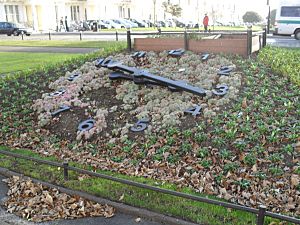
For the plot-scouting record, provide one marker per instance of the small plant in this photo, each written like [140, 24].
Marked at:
[218, 142]
[202, 153]
[186, 148]
[225, 154]
[276, 171]
[187, 133]
[276, 157]
[260, 175]
[200, 137]
[117, 159]
[250, 159]
[288, 149]
[206, 163]
[244, 184]
[230, 167]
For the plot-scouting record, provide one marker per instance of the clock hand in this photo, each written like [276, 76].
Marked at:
[137, 73]
[172, 83]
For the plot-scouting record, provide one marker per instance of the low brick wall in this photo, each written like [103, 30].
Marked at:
[229, 44]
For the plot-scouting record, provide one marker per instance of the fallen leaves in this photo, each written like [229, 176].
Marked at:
[38, 203]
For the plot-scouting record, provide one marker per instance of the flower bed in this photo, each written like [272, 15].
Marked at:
[93, 95]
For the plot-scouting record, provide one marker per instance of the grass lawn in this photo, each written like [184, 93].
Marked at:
[17, 61]
[60, 43]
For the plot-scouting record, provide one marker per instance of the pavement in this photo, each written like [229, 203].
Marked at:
[283, 41]
[118, 219]
[47, 49]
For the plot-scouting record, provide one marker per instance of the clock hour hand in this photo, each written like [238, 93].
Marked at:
[177, 84]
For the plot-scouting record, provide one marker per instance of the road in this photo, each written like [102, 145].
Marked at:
[283, 41]
[279, 41]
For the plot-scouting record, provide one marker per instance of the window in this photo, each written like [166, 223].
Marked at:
[12, 13]
[290, 11]
[75, 16]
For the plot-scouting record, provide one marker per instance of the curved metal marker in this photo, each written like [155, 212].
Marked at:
[57, 93]
[204, 57]
[176, 52]
[86, 125]
[103, 62]
[220, 90]
[73, 77]
[139, 54]
[225, 70]
[141, 125]
[195, 110]
[61, 109]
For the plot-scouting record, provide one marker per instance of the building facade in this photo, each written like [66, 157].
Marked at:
[45, 15]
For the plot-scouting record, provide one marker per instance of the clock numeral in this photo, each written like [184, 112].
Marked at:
[195, 110]
[73, 77]
[204, 57]
[57, 93]
[220, 90]
[86, 125]
[176, 52]
[61, 109]
[225, 70]
[140, 125]
[140, 54]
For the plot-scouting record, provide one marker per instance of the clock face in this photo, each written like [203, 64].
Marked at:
[133, 95]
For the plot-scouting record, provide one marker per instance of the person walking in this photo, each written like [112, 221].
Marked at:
[66, 24]
[61, 25]
[205, 22]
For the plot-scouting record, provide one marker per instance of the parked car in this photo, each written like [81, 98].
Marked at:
[100, 23]
[170, 23]
[14, 29]
[150, 24]
[122, 23]
[113, 24]
[140, 23]
[132, 24]
[161, 23]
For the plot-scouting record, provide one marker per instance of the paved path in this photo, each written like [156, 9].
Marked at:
[283, 41]
[118, 219]
[46, 49]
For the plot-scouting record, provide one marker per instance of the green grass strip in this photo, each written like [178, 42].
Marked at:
[58, 43]
[169, 205]
[18, 61]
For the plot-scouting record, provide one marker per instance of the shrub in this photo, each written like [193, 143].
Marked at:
[284, 61]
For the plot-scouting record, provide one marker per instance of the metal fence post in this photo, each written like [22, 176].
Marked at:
[49, 36]
[261, 215]
[117, 37]
[80, 35]
[249, 41]
[186, 41]
[128, 40]
[66, 172]
[264, 38]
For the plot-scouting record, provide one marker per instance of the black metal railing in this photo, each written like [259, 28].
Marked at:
[260, 212]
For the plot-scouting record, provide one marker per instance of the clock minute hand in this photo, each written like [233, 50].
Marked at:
[168, 82]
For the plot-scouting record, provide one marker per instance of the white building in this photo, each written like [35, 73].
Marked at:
[45, 15]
